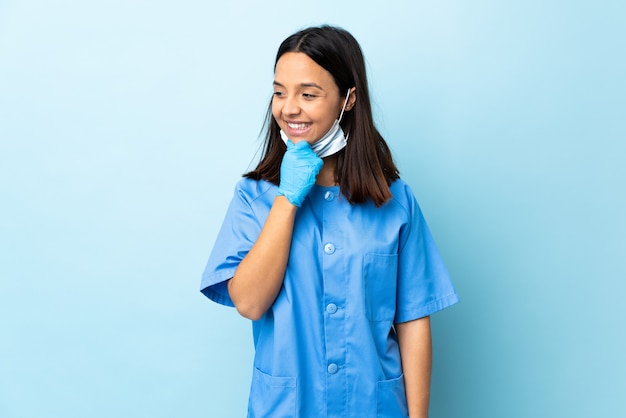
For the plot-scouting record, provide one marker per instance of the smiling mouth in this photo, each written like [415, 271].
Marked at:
[298, 126]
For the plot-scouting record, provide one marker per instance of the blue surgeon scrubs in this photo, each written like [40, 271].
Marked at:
[327, 346]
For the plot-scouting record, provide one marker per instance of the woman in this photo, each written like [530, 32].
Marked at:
[324, 247]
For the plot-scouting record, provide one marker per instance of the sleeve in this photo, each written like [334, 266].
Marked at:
[424, 284]
[238, 233]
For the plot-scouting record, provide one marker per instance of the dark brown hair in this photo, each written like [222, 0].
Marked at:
[365, 167]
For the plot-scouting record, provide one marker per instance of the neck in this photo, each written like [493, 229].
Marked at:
[326, 176]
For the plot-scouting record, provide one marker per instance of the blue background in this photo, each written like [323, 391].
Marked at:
[125, 124]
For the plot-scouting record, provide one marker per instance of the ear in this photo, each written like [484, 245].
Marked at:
[351, 99]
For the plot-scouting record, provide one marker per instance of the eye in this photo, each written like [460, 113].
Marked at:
[309, 96]
[278, 94]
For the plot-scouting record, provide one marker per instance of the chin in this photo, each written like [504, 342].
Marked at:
[296, 140]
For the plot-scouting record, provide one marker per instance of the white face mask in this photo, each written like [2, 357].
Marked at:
[334, 140]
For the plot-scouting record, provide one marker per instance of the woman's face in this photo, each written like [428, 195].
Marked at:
[306, 99]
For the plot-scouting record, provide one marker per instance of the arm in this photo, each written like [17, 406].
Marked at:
[267, 259]
[259, 276]
[416, 352]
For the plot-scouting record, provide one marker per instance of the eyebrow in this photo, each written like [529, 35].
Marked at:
[314, 85]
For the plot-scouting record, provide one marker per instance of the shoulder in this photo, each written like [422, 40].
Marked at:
[251, 190]
[402, 195]
[399, 187]
[251, 200]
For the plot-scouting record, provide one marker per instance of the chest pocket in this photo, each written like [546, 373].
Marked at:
[380, 272]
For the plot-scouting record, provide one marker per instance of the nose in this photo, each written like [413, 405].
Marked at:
[291, 106]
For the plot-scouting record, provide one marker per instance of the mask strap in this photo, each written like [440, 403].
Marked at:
[345, 103]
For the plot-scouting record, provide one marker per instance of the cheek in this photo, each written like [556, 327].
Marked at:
[276, 111]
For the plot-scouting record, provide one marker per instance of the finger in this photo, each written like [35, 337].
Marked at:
[302, 145]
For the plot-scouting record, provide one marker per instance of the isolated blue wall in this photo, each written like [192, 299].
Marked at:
[125, 124]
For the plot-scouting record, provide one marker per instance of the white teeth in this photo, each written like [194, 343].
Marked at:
[298, 126]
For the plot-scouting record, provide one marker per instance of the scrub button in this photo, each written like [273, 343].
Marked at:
[331, 308]
[329, 248]
[332, 368]
[329, 195]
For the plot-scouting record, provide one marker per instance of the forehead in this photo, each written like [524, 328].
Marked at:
[297, 68]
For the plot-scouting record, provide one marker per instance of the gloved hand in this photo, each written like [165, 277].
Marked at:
[298, 171]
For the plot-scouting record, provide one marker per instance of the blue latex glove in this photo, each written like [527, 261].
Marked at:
[298, 171]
